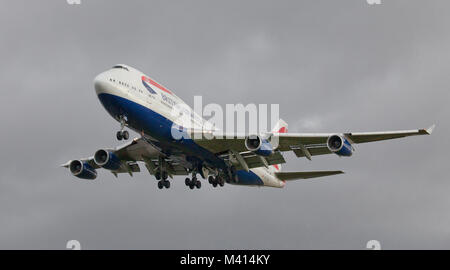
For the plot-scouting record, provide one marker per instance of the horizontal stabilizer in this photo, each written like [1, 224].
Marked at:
[286, 176]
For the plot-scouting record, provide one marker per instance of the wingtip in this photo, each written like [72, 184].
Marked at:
[430, 129]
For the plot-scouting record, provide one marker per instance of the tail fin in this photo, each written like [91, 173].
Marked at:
[280, 127]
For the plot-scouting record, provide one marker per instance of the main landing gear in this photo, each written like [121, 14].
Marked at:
[161, 177]
[193, 183]
[122, 134]
[163, 184]
[215, 181]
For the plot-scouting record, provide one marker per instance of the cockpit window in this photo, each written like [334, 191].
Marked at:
[119, 66]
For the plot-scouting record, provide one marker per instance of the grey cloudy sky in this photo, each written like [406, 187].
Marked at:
[331, 65]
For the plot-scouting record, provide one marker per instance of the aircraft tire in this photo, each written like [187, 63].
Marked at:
[160, 184]
[166, 184]
[125, 135]
[119, 135]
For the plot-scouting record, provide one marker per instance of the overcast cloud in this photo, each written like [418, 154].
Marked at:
[333, 66]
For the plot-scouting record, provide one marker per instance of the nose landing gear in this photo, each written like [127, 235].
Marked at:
[122, 134]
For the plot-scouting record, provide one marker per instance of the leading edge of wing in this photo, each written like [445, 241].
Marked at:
[423, 131]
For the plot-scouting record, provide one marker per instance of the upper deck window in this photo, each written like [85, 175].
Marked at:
[122, 67]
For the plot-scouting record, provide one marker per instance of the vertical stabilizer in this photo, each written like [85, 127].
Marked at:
[280, 127]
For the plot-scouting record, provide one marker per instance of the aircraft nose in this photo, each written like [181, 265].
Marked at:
[100, 84]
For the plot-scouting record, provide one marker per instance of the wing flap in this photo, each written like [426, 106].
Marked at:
[254, 161]
[314, 150]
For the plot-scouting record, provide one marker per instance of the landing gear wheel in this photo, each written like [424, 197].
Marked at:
[198, 184]
[221, 181]
[122, 134]
[187, 181]
[119, 135]
[160, 184]
[125, 135]
[214, 184]
[191, 186]
[158, 176]
[210, 179]
[166, 184]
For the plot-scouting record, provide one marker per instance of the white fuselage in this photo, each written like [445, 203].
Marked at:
[150, 108]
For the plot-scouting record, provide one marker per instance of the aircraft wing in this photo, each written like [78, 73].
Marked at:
[136, 150]
[315, 144]
[302, 144]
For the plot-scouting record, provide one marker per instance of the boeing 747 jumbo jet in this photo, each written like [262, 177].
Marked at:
[139, 103]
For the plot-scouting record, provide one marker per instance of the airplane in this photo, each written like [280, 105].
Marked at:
[141, 104]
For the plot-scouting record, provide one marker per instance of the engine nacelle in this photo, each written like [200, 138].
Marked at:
[339, 145]
[258, 145]
[82, 170]
[107, 160]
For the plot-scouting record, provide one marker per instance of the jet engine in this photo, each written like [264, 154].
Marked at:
[339, 145]
[107, 160]
[82, 170]
[258, 145]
